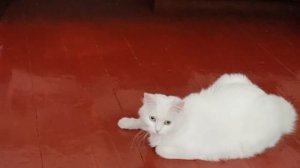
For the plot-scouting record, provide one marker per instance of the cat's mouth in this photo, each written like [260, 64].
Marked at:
[156, 133]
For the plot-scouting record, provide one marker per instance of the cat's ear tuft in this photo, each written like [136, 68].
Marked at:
[148, 98]
[178, 106]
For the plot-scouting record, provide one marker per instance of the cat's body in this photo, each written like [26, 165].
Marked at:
[233, 118]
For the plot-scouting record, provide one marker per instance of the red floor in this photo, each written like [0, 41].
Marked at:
[66, 78]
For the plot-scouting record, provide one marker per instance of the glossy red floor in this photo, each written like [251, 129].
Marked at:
[67, 76]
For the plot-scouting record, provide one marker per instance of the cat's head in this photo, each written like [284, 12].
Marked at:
[161, 114]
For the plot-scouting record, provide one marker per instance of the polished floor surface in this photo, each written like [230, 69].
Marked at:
[68, 72]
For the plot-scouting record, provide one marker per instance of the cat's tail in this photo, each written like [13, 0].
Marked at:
[232, 79]
[287, 114]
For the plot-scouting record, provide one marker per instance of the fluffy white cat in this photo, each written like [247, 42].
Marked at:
[231, 119]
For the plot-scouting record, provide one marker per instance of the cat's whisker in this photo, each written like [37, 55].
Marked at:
[136, 137]
[142, 139]
[138, 141]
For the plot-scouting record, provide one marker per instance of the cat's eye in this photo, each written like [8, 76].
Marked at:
[167, 122]
[152, 118]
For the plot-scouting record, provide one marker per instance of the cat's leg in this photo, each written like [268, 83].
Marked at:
[130, 123]
[170, 152]
[153, 140]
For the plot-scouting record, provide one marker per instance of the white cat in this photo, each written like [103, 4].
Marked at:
[231, 119]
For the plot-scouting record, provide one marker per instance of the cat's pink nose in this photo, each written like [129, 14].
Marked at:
[158, 128]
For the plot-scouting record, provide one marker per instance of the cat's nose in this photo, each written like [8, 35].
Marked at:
[158, 128]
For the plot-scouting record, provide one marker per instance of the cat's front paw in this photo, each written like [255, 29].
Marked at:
[153, 141]
[125, 123]
[165, 152]
[152, 145]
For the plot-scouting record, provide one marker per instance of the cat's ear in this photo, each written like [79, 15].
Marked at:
[178, 105]
[148, 98]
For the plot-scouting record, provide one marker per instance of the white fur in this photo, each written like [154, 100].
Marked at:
[233, 118]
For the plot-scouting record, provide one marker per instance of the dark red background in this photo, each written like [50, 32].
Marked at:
[70, 69]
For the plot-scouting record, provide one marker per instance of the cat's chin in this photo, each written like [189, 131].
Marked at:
[157, 133]
[152, 132]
